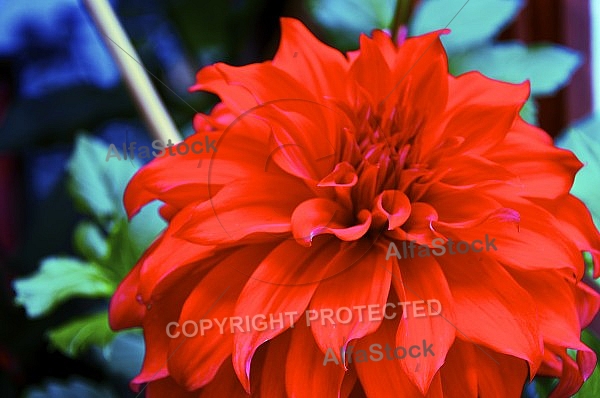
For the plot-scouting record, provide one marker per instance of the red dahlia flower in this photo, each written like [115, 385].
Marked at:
[324, 159]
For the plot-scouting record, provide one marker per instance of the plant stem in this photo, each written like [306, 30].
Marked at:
[144, 95]
[401, 16]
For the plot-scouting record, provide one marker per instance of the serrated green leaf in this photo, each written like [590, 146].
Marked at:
[57, 280]
[90, 241]
[352, 17]
[76, 387]
[96, 184]
[582, 140]
[472, 23]
[548, 67]
[76, 336]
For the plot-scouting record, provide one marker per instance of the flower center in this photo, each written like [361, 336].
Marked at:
[379, 150]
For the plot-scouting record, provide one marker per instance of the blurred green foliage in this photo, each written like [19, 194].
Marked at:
[108, 243]
[582, 139]
[471, 45]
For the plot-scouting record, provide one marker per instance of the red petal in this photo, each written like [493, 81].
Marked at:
[170, 258]
[159, 313]
[125, 310]
[470, 371]
[260, 204]
[392, 206]
[556, 309]
[310, 61]
[275, 289]
[423, 280]
[418, 226]
[242, 88]
[364, 263]
[304, 136]
[531, 244]
[272, 375]
[384, 378]
[570, 380]
[195, 360]
[305, 374]
[544, 171]
[588, 303]
[376, 85]
[420, 77]
[167, 388]
[472, 171]
[171, 178]
[475, 205]
[574, 218]
[500, 315]
[225, 384]
[343, 175]
[324, 216]
[475, 88]
[343, 178]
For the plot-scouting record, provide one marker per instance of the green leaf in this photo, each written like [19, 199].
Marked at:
[582, 140]
[548, 67]
[591, 340]
[589, 264]
[123, 356]
[352, 17]
[76, 387]
[96, 184]
[78, 335]
[123, 252]
[545, 385]
[472, 23]
[57, 280]
[128, 240]
[145, 226]
[591, 387]
[529, 112]
[90, 241]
